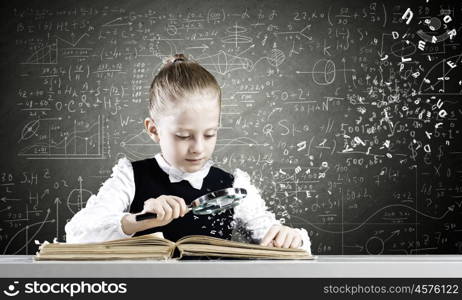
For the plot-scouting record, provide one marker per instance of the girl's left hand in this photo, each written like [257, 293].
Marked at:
[282, 237]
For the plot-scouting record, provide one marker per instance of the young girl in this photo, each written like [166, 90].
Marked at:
[184, 113]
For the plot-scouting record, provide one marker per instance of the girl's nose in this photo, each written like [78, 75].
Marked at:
[198, 145]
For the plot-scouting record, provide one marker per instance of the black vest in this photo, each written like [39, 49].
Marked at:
[151, 182]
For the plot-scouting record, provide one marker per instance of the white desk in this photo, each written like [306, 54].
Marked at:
[23, 266]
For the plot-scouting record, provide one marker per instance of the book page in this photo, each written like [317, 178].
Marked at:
[198, 245]
[149, 246]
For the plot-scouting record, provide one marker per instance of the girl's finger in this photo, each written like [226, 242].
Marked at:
[159, 210]
[183, 206]
[269, 236]
[296, 242]
[175, 207]
[167, 210]
[280, 238]
[289, 239]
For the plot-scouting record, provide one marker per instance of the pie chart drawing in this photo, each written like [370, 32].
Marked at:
[276, 57]
[324, 72]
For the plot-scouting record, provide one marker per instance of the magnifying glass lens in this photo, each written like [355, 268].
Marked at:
[216, 205]
[210, 203]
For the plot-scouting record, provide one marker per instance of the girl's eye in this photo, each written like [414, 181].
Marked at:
[187, 137]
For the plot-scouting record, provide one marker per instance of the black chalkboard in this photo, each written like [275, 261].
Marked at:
[346, 113]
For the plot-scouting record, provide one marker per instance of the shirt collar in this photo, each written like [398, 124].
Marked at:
[176, 175]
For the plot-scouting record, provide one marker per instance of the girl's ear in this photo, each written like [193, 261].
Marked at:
[151, 129]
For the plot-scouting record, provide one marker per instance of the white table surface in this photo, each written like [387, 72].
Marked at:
[326, 266]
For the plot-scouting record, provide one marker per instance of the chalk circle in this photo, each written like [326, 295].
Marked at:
[75, 200]
[222, 62]
[30, 129]
[171, 29]
[375, 245]
[276, 58]
[236, 29]
[246, 64]
[324, 72]
[433, 23]
[403, 49]
[236, 39]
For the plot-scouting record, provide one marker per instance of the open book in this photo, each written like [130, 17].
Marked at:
[151, 246]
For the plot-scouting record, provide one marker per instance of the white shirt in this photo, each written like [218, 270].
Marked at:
[100, 220]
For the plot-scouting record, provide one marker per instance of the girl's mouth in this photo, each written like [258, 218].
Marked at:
[194, 160]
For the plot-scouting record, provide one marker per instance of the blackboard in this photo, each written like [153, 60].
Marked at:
[346, 113]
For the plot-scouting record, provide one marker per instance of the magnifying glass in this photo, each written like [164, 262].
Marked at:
[209, 203]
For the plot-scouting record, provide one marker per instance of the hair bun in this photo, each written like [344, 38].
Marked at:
[175, 58]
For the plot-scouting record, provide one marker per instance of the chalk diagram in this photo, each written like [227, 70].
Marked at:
[27, 234]
[300, 32]
[276, 58]
[74, 200]
[439, 77]
[403, 48]
[48, 54]
[224, 63]
[119, 21]
[323, 72]
[139, 146]
[236, 36]
[240, 141]
[162, 49]
[375, 244]
[61, 144]
[236, 152]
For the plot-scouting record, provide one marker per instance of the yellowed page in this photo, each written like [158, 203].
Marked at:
[146, 246]
[199, 245]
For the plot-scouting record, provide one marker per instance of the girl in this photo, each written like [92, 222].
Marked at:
[184, 113]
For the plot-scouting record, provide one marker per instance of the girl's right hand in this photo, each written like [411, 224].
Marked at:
[166, 207]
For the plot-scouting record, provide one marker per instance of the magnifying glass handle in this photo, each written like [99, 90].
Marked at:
[150, 215]
[145, 216]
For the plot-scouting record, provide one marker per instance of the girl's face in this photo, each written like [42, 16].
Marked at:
[187, 134]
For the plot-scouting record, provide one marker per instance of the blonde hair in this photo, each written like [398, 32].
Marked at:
[178, 77]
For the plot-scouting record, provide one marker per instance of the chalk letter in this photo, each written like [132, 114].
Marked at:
[408, 14]
[421, 45]
[447, 19]
[451, 64]
[405, 59]
[452, 34]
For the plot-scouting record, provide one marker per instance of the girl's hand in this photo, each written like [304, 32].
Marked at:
[167, 209]
[282, 237]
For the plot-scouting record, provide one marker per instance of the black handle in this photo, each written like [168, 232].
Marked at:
[145, 216]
